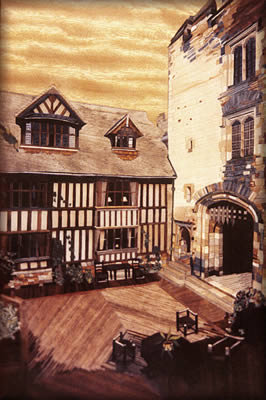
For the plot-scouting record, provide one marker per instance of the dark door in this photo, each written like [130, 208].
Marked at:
[238, 246]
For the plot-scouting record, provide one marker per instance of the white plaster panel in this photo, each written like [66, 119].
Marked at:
[73, 218]
[77, 194]
[83, 245]
[84, 195]
[34, 220]
[64, 219]
[89, 217]
[70, 195]
[90, 244]
[3, 221]
[14, 221]
[91, 195]
[54, 219]
[44, 217]
[63, 195]
[24, 220]
[76, 245]
[81, 218]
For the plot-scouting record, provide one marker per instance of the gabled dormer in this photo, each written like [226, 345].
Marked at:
[123, 137]
[50, 122]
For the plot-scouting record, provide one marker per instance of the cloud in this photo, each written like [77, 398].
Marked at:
[103, 52]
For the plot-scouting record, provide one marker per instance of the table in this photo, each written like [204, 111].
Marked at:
[113, 268]
[165, 362]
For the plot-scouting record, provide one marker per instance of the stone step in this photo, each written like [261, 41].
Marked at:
[174, 269]
[172, 276]
[211, 294]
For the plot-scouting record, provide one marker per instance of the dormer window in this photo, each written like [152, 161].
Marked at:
[126, 138]
[50, 122]
[123, 137]
[48, 134]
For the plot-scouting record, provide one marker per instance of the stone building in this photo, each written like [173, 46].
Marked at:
[95, 178]
[216, 135]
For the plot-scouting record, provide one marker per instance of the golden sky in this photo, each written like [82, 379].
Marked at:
[111, 53]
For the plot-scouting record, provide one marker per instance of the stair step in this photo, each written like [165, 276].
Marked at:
[212, 295]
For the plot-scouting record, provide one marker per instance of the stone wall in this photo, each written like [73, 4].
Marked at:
[203, 103]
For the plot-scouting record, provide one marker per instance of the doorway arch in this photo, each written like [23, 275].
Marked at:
[205, 237]
[234, 242]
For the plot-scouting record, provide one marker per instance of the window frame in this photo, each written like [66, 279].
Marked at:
[236, 139]
[25, 194]
[46, 132]
[116, 191]
[249, 136]
[118, 239]
[250, 51]
[241, 117]
[30, 242]
[238, 64]
[242, 40]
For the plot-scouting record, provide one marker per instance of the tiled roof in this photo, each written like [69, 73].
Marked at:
[95, 156]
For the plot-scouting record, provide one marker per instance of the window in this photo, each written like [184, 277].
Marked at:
[188, 194]
[250, 58]
[236, 139]
[117, 239]
[243, 137]
[23, 194]
[189, 145]
[243, 49]
[237, 65]
[29, 245]
[125, 138]
[118, 194]
[249, 137]
[49, 134]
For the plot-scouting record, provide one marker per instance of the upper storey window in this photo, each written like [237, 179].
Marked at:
[50, 122]
[243, 56]
[24, 194]
[237, 65]
[250, 58]
[123, 137]
[249, 137]
[118, 194]
[49, 134]
[236, 139]
[243, 137]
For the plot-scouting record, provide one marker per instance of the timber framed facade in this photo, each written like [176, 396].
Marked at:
[89, 198]
[216, 100]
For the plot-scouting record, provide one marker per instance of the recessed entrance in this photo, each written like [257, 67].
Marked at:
[236, 227]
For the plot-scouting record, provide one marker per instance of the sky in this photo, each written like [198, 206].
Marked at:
[112, 53]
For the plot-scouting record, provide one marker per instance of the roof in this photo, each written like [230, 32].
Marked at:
[124, 122]
[95, 156]
[208, 8]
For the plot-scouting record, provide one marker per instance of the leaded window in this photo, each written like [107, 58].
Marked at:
[24, 194]
[237, 65]
[29, 245]
[117, 239]
[236, 139]
[250, 58]
[249, 137]
[118, 194]
[49, 134]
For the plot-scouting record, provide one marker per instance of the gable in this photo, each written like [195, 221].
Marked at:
[50, 105]
[125, 121]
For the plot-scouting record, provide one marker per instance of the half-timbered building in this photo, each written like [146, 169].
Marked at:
[96, 178]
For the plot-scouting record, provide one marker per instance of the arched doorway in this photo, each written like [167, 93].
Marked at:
[185, 240]
[235, 240]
